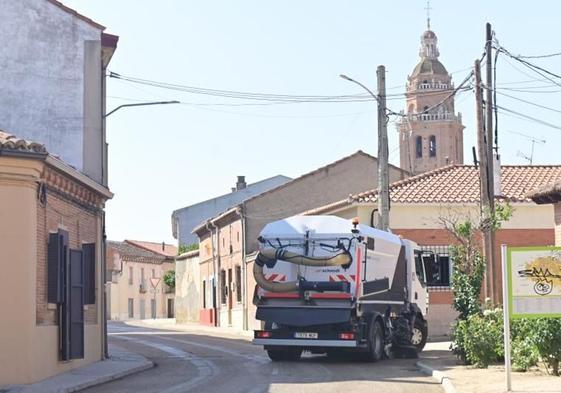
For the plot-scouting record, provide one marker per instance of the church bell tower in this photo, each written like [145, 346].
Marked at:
[430, 133]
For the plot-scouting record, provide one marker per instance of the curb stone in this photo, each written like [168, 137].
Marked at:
[110, 378]
[44, 386]
[439, 376]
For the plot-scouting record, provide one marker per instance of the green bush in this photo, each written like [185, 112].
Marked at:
[183, 248]
[547, 339]
[523, 350]
[169, 278]
[524, 354]
[479, 338]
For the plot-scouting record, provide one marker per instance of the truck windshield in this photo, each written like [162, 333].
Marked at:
[420, 269]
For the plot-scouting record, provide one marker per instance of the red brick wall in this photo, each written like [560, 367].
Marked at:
[61, 212]
[510, 237]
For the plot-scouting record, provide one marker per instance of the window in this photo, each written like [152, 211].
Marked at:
[223, 242]
[238, 236]
[153, 273]
[223, 287]
[432, 146]
[131, 308]
[130, 275]
[239, 284]
[142, 275]
[438, 265]
[419, 270]
[419, 146]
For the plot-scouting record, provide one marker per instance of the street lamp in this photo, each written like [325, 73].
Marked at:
[141, 104]
[345, 77]
[383, 167]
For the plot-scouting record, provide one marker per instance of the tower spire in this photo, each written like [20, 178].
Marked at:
[428, 9]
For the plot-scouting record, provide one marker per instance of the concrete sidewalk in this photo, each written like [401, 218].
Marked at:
[438, 360]
[192, 328]
[120, 364]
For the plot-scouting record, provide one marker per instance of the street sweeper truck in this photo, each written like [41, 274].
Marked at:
[331, 285]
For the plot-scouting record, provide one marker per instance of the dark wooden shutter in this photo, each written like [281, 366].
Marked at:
[88, 251]
[76, 305]
[57, 254]
[64, 307]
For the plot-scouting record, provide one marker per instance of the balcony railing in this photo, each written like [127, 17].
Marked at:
[446, 116]
[143, 288]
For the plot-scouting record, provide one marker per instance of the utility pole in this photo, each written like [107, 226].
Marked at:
[483, 172]
[490, 255]
[383, 214]
[383, 175]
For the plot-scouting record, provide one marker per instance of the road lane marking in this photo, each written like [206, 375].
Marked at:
[252, 358]
[205, 367]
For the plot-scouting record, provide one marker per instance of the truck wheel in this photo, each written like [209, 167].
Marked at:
[375, 343]
[279, 355]
[420, 333]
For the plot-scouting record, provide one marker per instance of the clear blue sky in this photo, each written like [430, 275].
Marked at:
[166, 157]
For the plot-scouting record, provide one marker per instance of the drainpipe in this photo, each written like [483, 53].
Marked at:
[105, 348]
[240, 212]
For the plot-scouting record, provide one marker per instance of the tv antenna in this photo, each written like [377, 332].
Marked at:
[529, 158]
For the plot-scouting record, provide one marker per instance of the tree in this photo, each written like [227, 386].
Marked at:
[183, 248]
[469, 263]
[169, 278]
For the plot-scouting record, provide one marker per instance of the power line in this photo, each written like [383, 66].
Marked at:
[540, 56]
[537, 69]
[529, 102]
[526, 117]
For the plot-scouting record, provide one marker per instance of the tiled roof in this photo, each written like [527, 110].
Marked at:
[167, 250]
[549, 193]
[460, 184]
[455, 184]
[130, 252]
[327, 167]
[12, 143]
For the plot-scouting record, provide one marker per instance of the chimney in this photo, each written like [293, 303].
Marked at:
[163, 246]
[240, 185]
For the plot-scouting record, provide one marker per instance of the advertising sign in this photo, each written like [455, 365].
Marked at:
[534, 282]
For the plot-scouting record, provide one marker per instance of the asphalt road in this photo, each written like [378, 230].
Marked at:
[197, 363]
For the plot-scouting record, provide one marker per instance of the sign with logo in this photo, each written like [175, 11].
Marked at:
[534, 281]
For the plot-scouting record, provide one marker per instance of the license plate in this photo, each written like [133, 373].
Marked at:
[305, 335]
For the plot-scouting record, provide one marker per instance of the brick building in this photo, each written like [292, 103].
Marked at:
[52, 216]
[418, 203]
[137, 289]
[228, 242]
[51, 243]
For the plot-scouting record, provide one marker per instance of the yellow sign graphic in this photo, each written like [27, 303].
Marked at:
[545, 272]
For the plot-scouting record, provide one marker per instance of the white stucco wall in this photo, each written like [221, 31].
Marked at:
[43, 77]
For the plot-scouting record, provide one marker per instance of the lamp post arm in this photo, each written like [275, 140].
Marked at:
[140, 104]
[361, 85]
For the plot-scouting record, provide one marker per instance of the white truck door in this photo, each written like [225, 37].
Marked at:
[419, 290]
